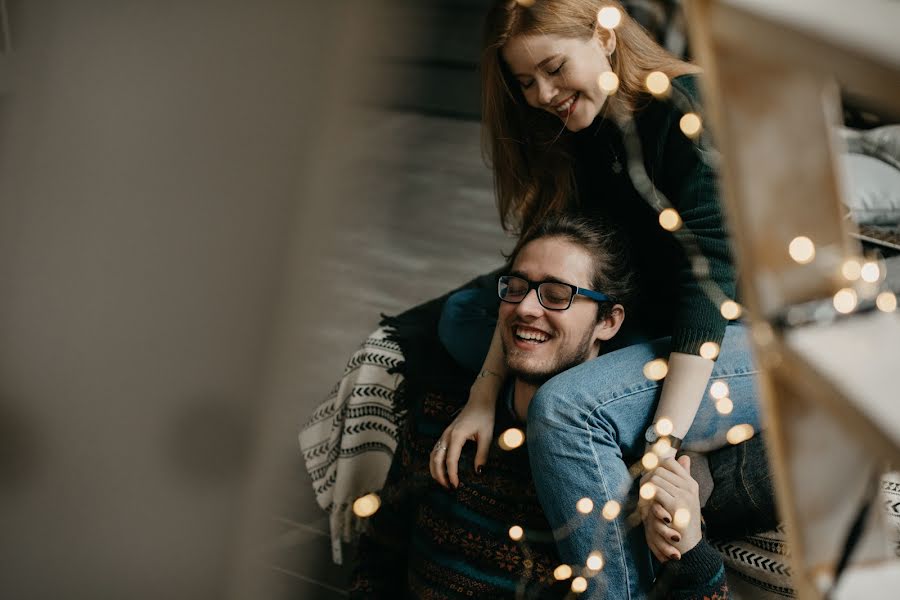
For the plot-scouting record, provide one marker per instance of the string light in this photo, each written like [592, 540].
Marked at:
[656, 369]
[648, 491]
[658, 83]
[739, 433]
[585, 506]
[609, 17]
[730, 309]
[691, 125]
[579, 584]
[611, 510]
[845, 300]
[719, 389]
[662, 447]
[670, 219]
[594, 561]
[802, 250]
[724, 406]
[366, 506]
[516, 533]
[681, 518]
[709, 350]
[609, 82]
[562, 572]
[870, 272]
[650, 461]
[851, 269]
[511, 439]
[886, 302]
[665, 426]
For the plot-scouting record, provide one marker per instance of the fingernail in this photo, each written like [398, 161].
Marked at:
[674, 556]
[667, 520]
[479, 469]
[675, 539]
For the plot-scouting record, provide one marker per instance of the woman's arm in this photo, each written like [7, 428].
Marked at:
[683, 391]
[475, 422]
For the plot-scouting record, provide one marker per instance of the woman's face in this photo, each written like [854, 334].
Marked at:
[560, 74]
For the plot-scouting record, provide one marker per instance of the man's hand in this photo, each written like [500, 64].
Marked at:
[672, 517]
[476, 423]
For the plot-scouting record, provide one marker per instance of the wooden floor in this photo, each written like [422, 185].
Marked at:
[424, 223]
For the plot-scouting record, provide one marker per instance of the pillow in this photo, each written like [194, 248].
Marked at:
[872, 190]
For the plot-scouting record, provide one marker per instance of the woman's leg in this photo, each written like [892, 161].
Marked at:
[467, 325]
[585, 424]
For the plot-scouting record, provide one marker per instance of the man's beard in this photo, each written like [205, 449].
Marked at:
[562, 362]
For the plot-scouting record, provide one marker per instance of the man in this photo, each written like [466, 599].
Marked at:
[488, 538]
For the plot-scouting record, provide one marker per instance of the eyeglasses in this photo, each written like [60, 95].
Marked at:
[553, 295]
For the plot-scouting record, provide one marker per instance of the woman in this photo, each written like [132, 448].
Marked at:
[559, 141]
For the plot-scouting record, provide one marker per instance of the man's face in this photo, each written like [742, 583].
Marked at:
[539, 343]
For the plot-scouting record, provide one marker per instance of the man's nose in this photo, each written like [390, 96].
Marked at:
[530, 306]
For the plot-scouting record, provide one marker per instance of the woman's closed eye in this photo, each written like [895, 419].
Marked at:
[558, 69]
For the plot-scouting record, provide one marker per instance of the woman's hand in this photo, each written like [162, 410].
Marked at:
[475, 422]
[672, 517]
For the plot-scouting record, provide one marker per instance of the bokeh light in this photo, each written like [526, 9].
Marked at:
[366, 506]
[802, 249]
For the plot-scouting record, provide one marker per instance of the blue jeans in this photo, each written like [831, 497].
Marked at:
[585, 425]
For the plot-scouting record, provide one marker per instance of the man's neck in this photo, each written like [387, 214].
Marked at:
[522, 395]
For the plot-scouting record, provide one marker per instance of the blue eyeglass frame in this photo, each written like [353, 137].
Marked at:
[535, 285]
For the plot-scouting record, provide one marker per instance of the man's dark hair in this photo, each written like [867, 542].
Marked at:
[609, 253]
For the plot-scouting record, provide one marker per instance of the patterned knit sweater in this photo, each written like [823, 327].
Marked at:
[431, 543]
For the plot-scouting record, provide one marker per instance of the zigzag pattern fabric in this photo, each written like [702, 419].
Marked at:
[349, 441]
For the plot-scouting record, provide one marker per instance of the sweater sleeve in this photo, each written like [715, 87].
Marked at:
[699, 575]
[691, 185]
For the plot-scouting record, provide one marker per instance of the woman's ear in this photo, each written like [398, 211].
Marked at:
[607, 39]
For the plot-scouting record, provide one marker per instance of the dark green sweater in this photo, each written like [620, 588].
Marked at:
[669, 300]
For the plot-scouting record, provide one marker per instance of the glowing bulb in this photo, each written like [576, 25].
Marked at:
[609, 82]
[681, 518]
[662, 447]
[516, 533]
[870, 272]
[665, 426]
[709, 350]
[730, 309]
[511, 439]
[656, 369]
[669, 219]
[611, 510]
[650, 461]
[851, 269]
[648, 491]
[739, 433]
[845, 300]
[724, 406]
[594, 561]
[585, 505]
[658, 83]
[562, 572]
[802, 250]
[719, 389]
[691, 125]
[366, 506]
[886, 302]
[609, 17]
[579, 584]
